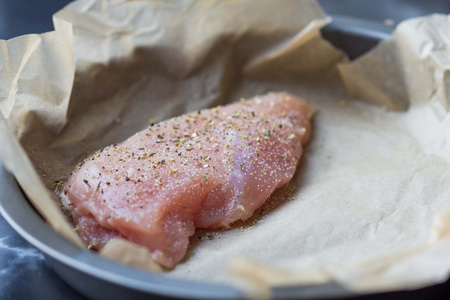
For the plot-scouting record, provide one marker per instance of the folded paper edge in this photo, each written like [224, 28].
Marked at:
[301, 38]
[37, 194]
[137, 256]
[368, 276]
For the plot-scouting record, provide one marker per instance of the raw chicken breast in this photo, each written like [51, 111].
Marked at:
[205, 169]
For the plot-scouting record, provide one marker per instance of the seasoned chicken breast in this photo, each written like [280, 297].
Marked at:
[205, 169]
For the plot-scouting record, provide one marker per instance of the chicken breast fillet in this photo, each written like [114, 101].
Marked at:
[205, 169]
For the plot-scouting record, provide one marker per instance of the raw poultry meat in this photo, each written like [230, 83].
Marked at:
[205, 169]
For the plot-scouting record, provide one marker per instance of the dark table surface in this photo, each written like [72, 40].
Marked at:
[24, 272]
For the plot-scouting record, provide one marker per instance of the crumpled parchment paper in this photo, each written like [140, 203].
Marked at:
[368, 205]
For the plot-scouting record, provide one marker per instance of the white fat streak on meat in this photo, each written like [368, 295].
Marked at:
[204, 169]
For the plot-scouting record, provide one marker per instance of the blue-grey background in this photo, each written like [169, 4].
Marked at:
[25, 274]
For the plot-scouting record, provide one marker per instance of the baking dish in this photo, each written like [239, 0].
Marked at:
[99, 278]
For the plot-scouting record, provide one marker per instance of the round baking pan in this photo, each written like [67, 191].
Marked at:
[99, 278]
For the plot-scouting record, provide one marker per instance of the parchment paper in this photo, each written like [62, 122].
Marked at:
[360, 208]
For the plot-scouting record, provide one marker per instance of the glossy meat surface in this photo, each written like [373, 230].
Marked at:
[205, 169]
